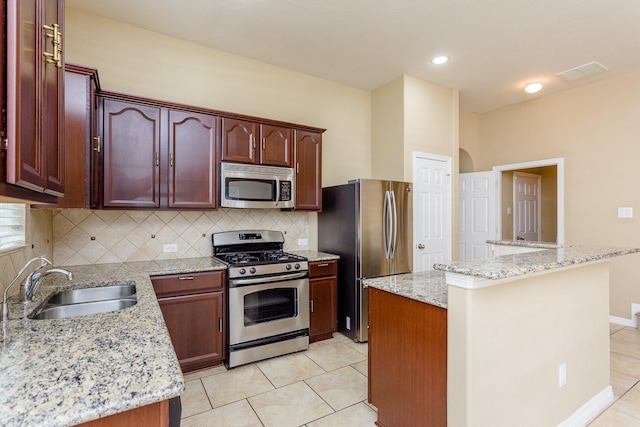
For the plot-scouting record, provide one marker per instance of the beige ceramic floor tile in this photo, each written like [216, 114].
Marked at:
[337, 338]
[627, 348]
[194, 399]
[629, 404]
[362, 347]
[362, 367]
[627, 334]
[289, 369]
[613, 418]
[205, 373]
[625, 364]
[235, 384]
[237, 414]
[341, 388]
[359, 415]
[621, 383]
[289, 406]
[614, 327]
[336, 356]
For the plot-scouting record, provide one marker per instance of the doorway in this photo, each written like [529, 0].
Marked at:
[551, 203]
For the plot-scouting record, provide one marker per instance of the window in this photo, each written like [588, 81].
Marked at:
[12, 225]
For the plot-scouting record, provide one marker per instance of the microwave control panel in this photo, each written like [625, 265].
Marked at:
[285, 191]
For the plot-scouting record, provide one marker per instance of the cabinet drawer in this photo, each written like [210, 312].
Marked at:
[323, 268]
[188, 283]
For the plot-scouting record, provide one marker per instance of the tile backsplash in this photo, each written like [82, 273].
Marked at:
[82, 236]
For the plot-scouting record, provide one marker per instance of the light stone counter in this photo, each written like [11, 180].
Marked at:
[68, 371]
[427, 286]
[473, 274]
[316, 256]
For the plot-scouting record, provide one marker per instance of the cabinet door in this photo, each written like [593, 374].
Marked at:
[192, 160]
[308, 170]
[131, 154]
[34, 96]
[323, 307]
[195, 325]
[276, 146]
[238, 141]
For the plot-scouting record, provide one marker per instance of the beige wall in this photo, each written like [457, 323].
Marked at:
[38, 242]
[388, 131]
[507, 341]
[470, 137]
[595, 128]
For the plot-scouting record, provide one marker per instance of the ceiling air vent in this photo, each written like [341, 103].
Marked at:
[582, 71]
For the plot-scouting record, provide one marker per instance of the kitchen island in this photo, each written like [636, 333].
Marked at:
[526, 339]
[69, 371]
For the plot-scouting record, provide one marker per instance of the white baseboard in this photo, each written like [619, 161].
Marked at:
[589, 410]
[633, 322]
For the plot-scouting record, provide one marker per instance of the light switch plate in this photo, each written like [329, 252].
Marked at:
[625, 212]
[303, 242]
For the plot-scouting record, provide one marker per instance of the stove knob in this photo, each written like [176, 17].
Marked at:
[297, 266]
[242, 271]
[288, 266]
[252, 270]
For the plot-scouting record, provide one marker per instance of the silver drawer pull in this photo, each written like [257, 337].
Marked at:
[323, 265]
[186, 278]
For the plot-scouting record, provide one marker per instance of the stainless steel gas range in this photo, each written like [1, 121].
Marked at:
[268, 295]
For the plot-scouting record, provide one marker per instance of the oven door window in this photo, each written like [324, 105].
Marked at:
[269, 305]
[258, 190]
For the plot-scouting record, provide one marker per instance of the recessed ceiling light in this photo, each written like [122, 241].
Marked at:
[533, 87]
[439, 60]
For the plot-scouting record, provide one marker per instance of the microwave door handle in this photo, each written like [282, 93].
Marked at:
[277, 190]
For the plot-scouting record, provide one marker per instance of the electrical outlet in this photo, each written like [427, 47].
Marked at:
[303, 242]
[348, 321]
[171, 247]
[625, 212]
[562, 375]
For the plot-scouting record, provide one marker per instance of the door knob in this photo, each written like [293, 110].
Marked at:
[420, 246]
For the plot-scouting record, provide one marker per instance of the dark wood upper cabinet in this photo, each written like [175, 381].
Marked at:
[255, 143]
[32, 67]
[131, 154]
[308, 149]
[192, 160]
[238, 142]
[157, 157]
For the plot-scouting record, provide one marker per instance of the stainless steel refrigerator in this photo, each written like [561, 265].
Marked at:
[369, 224]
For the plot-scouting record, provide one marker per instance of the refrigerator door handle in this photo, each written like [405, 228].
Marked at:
[394, 216]
[385, 225]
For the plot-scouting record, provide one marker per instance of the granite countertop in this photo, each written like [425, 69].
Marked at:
[316, 256]
[514, 265]
[528, 244]
[68, 371]
[427, 286]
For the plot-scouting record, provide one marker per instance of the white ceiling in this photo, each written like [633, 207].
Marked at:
[497, 46]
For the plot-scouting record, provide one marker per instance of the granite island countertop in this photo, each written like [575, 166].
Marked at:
[431, 286]
[68, 371]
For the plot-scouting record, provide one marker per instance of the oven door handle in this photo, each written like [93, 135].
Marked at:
[259, 280]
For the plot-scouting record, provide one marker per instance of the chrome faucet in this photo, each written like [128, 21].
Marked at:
[34, 280]
[5, 306]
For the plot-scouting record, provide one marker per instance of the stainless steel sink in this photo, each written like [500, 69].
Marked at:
[78, 296]
[82, 309]
[85, 301]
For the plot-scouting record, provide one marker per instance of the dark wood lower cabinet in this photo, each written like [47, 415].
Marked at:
[407, 361]
[323, 300]
[193, 306]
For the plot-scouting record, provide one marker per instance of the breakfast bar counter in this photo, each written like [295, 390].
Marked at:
[68, 371]
[518, 332]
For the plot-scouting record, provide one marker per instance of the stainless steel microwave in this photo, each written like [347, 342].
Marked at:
[253, 186]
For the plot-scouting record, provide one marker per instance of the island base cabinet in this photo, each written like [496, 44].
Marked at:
[154, 415]
[407, 361]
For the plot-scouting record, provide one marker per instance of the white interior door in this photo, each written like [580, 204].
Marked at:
[431, 211]
[477, 214]
[526, 206]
